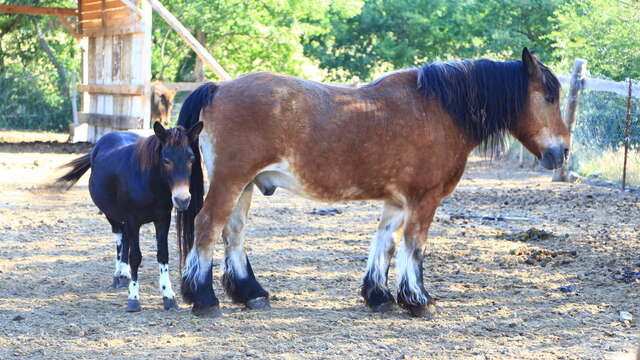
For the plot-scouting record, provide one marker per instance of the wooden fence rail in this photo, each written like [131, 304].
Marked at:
[618, 87]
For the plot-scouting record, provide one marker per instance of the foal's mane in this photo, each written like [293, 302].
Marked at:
[484, 97]
[147, 150]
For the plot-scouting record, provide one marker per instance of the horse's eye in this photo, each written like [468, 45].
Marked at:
[166, 161]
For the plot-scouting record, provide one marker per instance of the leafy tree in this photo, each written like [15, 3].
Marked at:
[605, 33]
[244, 36]
[391, 34]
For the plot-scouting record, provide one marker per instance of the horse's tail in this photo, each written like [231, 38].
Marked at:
[78, 167]
[190, 115]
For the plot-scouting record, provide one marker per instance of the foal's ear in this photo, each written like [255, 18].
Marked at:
[160, 131]
[530, 63]
[195, 131]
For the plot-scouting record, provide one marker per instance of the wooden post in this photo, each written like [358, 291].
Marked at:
[627, 137]
[198, 69]
[191, 41]
[571, 108]
[74, 96]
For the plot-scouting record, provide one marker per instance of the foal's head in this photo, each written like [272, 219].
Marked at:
[541, 128]
[176, 158]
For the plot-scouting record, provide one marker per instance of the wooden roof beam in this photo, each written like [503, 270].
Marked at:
[37, 10]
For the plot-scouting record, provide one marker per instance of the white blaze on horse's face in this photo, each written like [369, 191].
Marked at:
[541, 128]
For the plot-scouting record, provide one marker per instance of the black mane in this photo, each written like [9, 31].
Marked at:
[484, 97]
[147, 150]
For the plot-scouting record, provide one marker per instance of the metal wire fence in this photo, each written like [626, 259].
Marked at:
[32, 101]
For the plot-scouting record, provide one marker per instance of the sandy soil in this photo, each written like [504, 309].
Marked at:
[498, 296]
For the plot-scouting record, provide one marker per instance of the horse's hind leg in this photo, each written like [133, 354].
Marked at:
[122, 274]
[162, 233]
[238, 279]
[374, 284]
[411, 292]
[132, 234]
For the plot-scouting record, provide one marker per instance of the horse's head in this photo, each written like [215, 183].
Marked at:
[162, 103]
[541, 128]
[176, 159]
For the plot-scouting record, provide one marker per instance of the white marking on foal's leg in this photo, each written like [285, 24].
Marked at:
[165, 281]
[134, 290]
[118, 238]
[196, 268]
[408, 274]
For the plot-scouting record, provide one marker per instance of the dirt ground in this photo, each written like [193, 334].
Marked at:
[498, 291]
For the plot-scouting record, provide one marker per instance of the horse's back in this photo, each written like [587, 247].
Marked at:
[112, 141]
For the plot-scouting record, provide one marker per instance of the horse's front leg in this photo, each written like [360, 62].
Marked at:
[374, 283]
[197, 286]
[162, 233]
[411, 292]
[132, 234]
[237, 278]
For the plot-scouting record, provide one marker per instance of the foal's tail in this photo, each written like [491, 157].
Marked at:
[78, 167]
[189, 115]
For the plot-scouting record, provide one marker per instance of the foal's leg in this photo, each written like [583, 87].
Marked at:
[162, 233]
[122, 274]
[411, 292]
[132, 233]
[238, 279]
[197, 286]
[374, 284]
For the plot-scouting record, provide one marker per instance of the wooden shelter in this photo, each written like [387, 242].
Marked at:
[115, 37]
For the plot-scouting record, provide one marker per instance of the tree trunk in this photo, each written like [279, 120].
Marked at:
[199, 70]
[571, 109]
[62, 75]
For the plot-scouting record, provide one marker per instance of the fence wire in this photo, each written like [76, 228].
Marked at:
[600, 134]
[32, 101]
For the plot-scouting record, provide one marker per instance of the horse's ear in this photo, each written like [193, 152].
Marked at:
[160, 131]
[195, 130]
[530, 63]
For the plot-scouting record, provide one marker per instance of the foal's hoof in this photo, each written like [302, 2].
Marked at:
[170, 303]
[120, 282]
[133, 305]
[384, 307]
[211, 311]
[259, 303]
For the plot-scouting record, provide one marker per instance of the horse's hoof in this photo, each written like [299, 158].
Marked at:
[259, 303]
[422, 310]
[212, 311]
[384, 307]
[133, 305]
[170, 303]
[114, 283]
[123, 282]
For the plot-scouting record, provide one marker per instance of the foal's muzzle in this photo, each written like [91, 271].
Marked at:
[554, 157]
[181, 198]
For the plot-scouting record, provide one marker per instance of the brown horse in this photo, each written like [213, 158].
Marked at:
[403, 139]
[161, 103]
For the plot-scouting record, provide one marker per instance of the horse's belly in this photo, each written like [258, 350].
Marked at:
[317, 186]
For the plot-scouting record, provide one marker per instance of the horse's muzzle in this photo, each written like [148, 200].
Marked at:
[181, 203]
[554, 157]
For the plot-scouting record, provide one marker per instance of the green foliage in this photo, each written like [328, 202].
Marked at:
[605, 33]
[392, 34]
[31, 94]
[244, 36]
